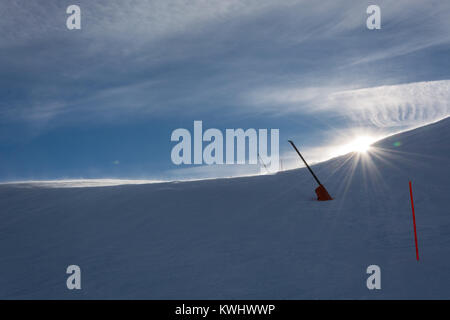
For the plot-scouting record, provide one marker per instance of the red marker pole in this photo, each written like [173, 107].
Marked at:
[414, 221]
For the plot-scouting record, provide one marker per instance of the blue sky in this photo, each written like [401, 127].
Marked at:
[101, 102]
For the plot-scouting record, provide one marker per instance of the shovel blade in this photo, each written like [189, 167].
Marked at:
[322, 194]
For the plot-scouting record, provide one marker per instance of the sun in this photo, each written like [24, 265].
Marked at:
[360, 144]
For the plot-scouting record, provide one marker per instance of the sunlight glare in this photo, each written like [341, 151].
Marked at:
[360, 144]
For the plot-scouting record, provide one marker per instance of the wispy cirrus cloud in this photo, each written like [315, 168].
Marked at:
[388, 106]
[150, 57]
[403, 105]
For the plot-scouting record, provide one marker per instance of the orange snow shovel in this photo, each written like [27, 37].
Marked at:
[322, 193]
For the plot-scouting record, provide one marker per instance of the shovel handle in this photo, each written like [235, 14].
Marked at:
[310, 170]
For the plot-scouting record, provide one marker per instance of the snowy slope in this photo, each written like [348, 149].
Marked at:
[249, 238]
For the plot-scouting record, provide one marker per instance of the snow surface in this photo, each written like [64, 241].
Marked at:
[259, 237]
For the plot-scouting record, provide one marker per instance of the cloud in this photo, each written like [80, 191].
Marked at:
[407, 105]
[138, 21]
[403, 105]
[149, 58]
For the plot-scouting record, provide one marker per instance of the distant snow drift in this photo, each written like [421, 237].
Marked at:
[81, 183]
[261, 237]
